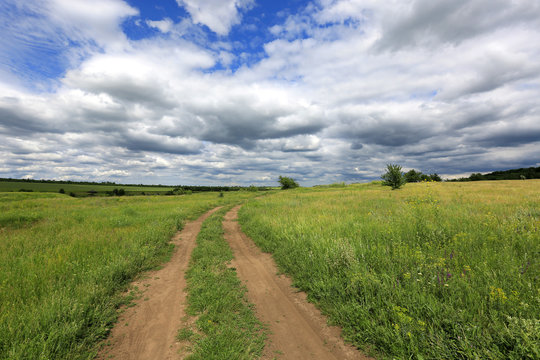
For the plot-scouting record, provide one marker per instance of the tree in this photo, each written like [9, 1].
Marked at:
[287, 183]
[476, 177]
[413, 176]
[435, 177]
[393, 176]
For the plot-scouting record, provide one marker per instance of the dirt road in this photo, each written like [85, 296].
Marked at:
[297, 328]
[148, 329]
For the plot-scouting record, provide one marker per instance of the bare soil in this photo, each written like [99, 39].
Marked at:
[297, 328]
[148, 329]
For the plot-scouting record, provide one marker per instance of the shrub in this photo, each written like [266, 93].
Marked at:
[287, 183]
[119, 192]
[393, 176]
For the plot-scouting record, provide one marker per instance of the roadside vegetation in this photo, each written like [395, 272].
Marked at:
[224, 326]
[64, 261]
[86, 189]
[433, 271]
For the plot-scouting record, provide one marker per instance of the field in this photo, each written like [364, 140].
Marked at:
[64, 261]
[79, 189]
[431, 271]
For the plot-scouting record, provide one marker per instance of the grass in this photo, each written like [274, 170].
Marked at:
[64, 262]
[431, 271]
[79, 189]
[225, 326]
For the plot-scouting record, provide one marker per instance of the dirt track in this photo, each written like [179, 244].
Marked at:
[148, 329]
[298, 330]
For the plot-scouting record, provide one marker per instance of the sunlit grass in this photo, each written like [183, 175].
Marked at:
[225, 326]
[435, 270]
[63, 262]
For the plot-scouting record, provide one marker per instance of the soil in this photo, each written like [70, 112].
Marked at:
[148, 329]
[297, 328]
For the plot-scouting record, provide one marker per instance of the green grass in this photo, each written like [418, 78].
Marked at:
[431, 271]
[64, 261]
[79, 189]
[225, 326]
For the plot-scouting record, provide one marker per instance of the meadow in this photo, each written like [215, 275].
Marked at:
[430, 271]
[64, 263]
[79, 189]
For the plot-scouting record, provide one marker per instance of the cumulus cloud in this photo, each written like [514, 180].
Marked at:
[164, 25]
[219, 15]
[343, 87]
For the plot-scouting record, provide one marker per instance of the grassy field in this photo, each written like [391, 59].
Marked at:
[63, 262]
[79, 189]
[431, 271]
[225, 326]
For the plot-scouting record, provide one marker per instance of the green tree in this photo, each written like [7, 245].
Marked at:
[287, 183]
[413, 176]
[393, 176]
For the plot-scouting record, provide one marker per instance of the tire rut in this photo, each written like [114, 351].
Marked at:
[148, 329]
[297, 328]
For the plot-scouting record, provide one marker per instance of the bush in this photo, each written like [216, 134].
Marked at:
[393, 176]
[119, 192]
[287, 183]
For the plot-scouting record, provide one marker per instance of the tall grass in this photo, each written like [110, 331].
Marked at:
[63, 262]
[432, 271]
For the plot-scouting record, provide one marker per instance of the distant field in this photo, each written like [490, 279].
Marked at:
[64, 260]
[7, 186]
[431, 271]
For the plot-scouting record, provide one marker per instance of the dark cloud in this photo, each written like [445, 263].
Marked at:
[134, 141]
[15, 122]
[439, 22]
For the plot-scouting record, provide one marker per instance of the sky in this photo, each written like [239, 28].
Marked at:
[239, 92]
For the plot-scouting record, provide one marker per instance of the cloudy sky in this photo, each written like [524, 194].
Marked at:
[242, 91]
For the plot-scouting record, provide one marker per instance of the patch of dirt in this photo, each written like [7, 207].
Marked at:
[148, 330]
[298, 330]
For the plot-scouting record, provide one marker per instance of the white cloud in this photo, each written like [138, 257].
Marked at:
[164, 25]
[96, 20]
[219, 15]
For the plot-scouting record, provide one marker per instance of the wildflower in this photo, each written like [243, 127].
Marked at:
[497, 294]
[446, 285]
